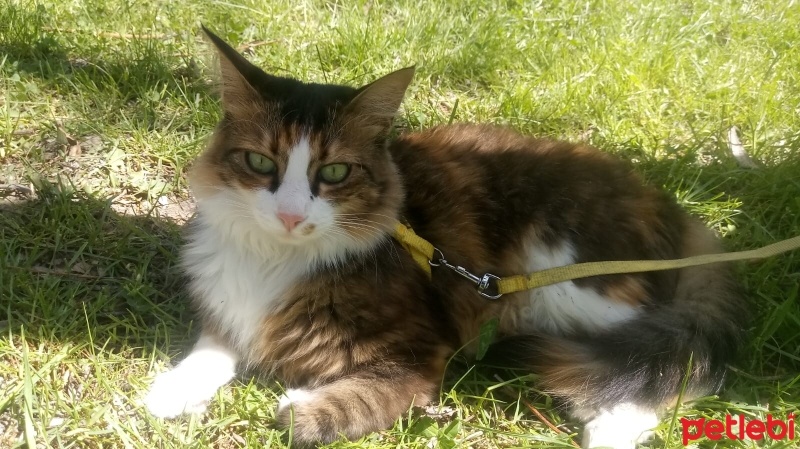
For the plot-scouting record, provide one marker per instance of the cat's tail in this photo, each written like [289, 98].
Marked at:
[646, 360]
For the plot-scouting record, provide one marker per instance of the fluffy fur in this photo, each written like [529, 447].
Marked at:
[298, 276]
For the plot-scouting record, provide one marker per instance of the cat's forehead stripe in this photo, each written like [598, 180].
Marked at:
[299, 159]
[294, 192]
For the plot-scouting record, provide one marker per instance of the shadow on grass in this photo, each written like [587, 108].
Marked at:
[72, 267]
[46, 52]
[107, 73]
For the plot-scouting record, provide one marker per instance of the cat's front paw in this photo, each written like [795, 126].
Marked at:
[176, 392]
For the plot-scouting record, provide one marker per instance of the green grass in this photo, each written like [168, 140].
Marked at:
[91, 302]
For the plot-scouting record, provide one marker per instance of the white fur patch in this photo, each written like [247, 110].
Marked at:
[565, 307]
[189, 386]
[294, 193]
[236, 285]
[620, 427]
[295, 396]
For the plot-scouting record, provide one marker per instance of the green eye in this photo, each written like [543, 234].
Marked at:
[259, 163]
[334, 173]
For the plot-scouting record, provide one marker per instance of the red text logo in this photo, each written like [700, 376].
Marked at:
[737, 428]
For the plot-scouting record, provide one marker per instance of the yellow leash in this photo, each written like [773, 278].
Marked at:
[493, 287]
[421, 250]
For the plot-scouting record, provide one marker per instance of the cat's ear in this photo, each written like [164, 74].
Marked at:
[376, 104]
[237, 76]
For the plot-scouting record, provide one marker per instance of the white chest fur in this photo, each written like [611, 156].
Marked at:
[565, 307]
[235, 287]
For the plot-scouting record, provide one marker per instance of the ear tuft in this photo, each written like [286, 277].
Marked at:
[377, 103]
[237, 75]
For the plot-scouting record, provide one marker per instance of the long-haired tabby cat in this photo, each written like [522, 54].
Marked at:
[295, 273]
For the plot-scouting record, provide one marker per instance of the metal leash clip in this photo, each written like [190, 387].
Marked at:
[487, 284]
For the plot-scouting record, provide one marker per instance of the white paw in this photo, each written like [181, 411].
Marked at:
[179, 391]
[190, 386]
[621, 427]
[295, 396]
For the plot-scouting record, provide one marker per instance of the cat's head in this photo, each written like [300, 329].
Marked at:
[298, 163]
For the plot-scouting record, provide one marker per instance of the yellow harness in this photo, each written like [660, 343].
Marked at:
[493, 287]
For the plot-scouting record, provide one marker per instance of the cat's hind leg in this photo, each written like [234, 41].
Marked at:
[189, 386]
[362, 402]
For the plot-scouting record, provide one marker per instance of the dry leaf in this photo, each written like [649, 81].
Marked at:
[74, 150]
[81, 268]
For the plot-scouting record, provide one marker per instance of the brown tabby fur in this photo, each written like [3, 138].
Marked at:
[371, 336]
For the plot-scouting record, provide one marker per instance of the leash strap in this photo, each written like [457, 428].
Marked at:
[421, 250]
[582, 270]
[493, 287]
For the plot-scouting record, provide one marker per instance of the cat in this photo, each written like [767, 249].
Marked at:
[294, 272]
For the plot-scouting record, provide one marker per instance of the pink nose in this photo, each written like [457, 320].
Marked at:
[290, 221]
